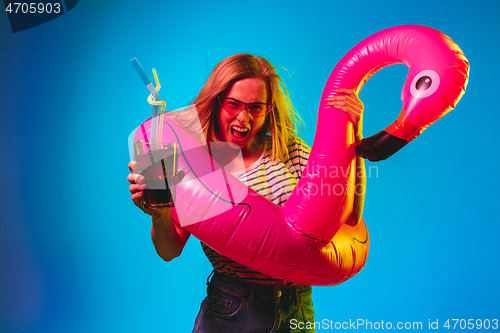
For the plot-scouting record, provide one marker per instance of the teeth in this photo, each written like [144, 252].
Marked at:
[240, 129]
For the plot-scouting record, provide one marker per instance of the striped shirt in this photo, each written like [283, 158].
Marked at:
[274, 180]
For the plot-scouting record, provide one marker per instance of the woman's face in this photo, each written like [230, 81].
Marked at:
[240, 129]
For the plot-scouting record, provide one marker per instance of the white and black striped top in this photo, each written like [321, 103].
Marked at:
[275, 180]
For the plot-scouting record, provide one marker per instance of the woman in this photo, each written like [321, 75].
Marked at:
[243, 102]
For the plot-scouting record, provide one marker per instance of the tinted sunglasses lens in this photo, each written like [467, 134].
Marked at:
[232, 105]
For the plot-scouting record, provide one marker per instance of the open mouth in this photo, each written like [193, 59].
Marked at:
[239, 132]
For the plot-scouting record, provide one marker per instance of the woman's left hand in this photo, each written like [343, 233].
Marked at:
[350, 103]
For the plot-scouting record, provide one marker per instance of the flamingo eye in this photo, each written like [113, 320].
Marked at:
[424, 83]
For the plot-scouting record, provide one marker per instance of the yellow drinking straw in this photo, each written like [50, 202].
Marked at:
[162, 103]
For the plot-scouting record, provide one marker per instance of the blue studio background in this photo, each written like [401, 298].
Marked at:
[76, 254]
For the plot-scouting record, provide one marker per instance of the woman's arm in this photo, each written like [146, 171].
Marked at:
[360, 190]
[351, 104]
[169, 238]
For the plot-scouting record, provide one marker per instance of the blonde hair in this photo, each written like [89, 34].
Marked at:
[281, 122]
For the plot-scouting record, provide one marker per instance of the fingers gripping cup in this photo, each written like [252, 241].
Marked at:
[159, 168]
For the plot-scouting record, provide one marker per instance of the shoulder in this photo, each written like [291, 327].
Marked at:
[298, 152]
[297, 146]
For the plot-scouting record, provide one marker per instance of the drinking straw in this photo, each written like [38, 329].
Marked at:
[163, 105]
[158, 87]
[154, 95]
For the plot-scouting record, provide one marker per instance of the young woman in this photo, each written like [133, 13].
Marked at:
[245, 102]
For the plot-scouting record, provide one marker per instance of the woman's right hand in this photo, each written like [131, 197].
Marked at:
[169, 238]
[136, 188]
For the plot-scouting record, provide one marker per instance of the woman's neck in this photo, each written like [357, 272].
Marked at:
[252, 151]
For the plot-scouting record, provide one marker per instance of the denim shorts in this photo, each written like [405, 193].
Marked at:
[235, 305]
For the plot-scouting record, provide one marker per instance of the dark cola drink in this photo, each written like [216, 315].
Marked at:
[158, 168]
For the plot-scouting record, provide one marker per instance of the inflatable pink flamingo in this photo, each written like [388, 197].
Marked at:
[312, 239]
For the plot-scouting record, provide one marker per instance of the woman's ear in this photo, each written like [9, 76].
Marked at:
[270, 121]
[267, 126]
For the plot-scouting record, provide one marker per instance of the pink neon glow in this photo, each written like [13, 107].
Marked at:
[308, 240]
